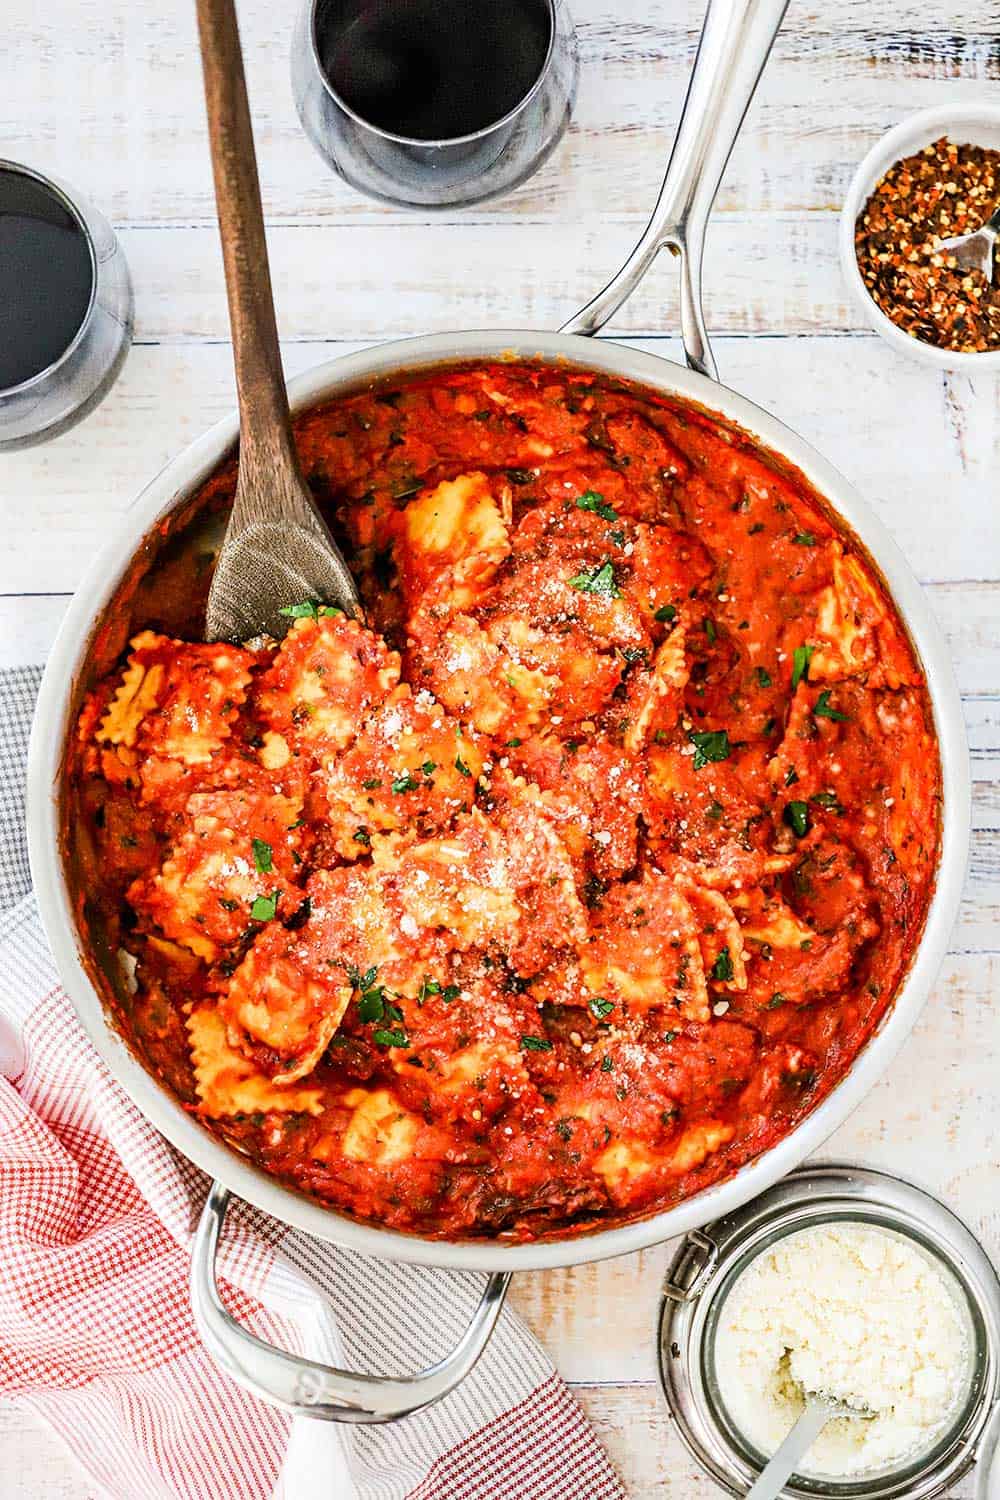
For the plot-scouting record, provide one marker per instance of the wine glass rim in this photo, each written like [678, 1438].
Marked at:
[59, 193]
[440, 141]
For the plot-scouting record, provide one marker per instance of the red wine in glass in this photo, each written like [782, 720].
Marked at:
[434, 102]
[65, 307]
[436, 70]
[46, 277]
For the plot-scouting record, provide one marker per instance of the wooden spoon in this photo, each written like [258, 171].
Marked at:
[277, 549]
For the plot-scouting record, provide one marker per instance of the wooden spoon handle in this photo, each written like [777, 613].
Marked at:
[265, 426]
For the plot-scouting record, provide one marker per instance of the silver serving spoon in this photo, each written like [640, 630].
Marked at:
[277, 550]
[819, 1409]
[974, 252]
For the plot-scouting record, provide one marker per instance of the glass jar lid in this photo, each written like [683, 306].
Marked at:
[707, 1266]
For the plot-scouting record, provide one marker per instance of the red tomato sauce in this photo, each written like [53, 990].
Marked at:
[570, 880]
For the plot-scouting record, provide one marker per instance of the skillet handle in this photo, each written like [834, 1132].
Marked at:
[736, 40]
[305, 1386]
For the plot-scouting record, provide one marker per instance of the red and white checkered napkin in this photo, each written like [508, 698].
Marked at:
[96, 1333]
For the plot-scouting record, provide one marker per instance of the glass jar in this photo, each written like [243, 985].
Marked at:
[706, 1268]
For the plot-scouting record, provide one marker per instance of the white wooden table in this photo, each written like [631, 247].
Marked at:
[108, 94]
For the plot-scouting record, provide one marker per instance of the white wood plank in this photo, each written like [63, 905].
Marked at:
[924, 449]
[28, 625]
[763, 272]
[137, 141]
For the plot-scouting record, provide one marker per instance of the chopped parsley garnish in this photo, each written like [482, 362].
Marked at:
[600, 1007]
[404, 783]
[709, 745]
[429, 986]
[600, 581]
[714, 811]
[362, 981]
[228, 905]
[796, 815]
[593, 500]
[800, 664]
[665, 614]
[371, 783]
[309, 609]
[371, 1006]
[607, 1063]
[711, 630]
[763, 677]
[776, 999]
[361, 836]
[824, 711]
[264, 907]
[722, 969]
[390, 1038]
[792, 776]
[428, 767]
[513, 743]
[827, 800]
[804, 539]
[535, 1044]
[461, 766]
[262, 856]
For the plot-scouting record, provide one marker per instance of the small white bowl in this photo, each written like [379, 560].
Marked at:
[976, 125]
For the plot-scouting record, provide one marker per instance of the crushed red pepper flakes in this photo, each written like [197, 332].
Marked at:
[943, 191]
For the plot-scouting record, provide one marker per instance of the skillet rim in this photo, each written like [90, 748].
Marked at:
[175, 483]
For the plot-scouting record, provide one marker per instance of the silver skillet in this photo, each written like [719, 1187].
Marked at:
[735, 42]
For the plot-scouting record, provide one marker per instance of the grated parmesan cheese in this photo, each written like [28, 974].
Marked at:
[860, 1313]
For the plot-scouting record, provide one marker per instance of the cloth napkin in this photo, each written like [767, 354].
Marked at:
[96, 1333]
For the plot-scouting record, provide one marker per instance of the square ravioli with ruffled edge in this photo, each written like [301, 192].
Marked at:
[397, 918]
[232, 868]
[326, 675]
[176, 698]
[228, 1083]
[410, 765]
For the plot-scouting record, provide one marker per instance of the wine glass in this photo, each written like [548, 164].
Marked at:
[434, 103]
[81, 332]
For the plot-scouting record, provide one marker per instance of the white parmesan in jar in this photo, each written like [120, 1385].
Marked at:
[864, 1315]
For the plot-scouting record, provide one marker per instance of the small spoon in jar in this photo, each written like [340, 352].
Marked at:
[975, 251]
[819, 1409]
[277, 549]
